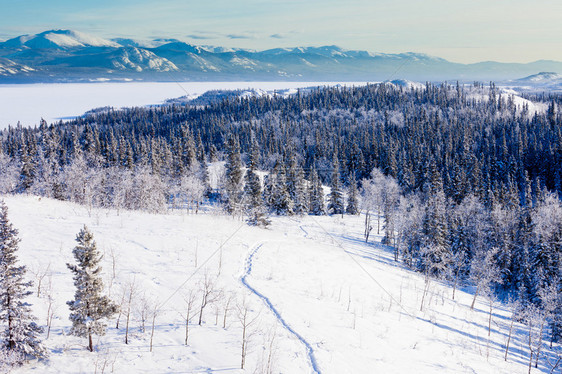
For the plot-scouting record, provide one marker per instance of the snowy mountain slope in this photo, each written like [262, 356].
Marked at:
[58, 39]
[124, 59]
[140, 59]
[58, 55]
[8, 67]
[354, 308]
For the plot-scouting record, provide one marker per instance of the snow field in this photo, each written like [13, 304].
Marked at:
[356, 319]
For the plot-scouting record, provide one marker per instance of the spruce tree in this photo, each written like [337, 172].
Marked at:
[20, 332]
[189, 150]
[89, 307]
[435, 224]
[316, 195]
[352, 201]
[280, 199]
[234, 175]
[254, 199]
[336, 205]
[301, 198]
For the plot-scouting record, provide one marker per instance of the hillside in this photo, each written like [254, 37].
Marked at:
[318, 292]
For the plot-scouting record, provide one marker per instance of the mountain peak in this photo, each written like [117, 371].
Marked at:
[59, 38]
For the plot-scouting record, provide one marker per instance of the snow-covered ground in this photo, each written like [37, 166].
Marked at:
[321, 299]
[483, 94]
[28, 103]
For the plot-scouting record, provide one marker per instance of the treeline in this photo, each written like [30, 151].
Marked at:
[478, 139]
[464, 176]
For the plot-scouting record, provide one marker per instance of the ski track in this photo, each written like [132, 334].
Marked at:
[269, 304]
[303, 230]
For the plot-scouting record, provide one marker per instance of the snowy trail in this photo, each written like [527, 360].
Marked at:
[266, 300]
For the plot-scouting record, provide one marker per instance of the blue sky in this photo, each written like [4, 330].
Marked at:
[458, 30]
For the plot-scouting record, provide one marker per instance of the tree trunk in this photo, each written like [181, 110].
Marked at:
[201, 314]
[425, 289]
[186, 326]
[367, 226]
[455, 284]
[152, 331]
[90, 343]
[378, 221]
[11, 343]
[539, 344]
[127, 327]
[490, 318]
[243, 346]
[474, 299]
[509, 337]
[530, 344]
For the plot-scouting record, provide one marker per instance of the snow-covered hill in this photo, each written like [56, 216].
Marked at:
[322, 300]
[544, 81]
[541, 77]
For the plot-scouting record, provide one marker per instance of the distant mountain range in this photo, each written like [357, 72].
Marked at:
[71, 56]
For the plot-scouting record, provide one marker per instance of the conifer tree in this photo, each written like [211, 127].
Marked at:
[189, 150]
[435, 223]
[89, 308]
[234, 175]
[301, 198]
[352, 201]
[253, 192]
[336, 205]
[279, 199]
[316, 194]
[296, 186]
[20, 333]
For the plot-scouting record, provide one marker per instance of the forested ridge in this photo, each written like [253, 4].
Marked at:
[466, 181]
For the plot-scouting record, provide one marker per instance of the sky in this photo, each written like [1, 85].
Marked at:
[458, 30]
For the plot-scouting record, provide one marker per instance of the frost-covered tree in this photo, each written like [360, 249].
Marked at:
[20, 333]
[336, 205]
[316, 195]
[234, 176]
[408, 225]
[278, 197]
[189, 150]
[253, 192]
[372, 195]
[296, 186]
[78, 187]
[352, 200]
[435, 224]
[90, 307]
[484, 272]
[391, 203]
[189, 190]
[9, 172]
